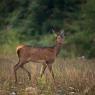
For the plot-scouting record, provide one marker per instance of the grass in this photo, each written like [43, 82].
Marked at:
[72, 77]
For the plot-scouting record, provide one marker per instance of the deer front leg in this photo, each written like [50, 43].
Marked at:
[51, 71]
[43, 69]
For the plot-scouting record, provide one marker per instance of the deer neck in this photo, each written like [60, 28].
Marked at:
[57, 49]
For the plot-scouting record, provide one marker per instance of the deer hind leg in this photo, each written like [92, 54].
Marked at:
[43, 68]
[29, 75]
[16, 67]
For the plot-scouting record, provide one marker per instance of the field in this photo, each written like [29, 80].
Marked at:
[74, 76]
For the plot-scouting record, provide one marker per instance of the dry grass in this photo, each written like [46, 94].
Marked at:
[73, 77]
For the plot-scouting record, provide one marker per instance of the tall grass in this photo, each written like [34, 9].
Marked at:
[72, 77]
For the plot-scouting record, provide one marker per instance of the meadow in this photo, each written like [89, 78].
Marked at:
[31, 22]
[75, 76]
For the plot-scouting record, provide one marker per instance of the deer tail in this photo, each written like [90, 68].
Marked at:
[18, 50]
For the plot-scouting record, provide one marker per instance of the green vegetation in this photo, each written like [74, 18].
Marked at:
[27, 21]
[30, 22]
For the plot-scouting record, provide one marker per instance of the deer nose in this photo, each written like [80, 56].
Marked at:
[62, 41]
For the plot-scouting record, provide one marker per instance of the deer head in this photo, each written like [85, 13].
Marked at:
[59, 36]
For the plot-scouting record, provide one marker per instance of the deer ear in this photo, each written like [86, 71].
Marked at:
[62, 33]
[54, 33]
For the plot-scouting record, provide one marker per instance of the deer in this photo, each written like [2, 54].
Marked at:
[44, 55]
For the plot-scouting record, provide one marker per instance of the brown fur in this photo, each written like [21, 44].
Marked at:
[45, 55]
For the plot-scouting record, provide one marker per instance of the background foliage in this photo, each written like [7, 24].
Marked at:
[27, 21]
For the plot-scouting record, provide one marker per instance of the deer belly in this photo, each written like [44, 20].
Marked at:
[41, 57]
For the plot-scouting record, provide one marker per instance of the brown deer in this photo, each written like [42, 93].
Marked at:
[44, 55]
